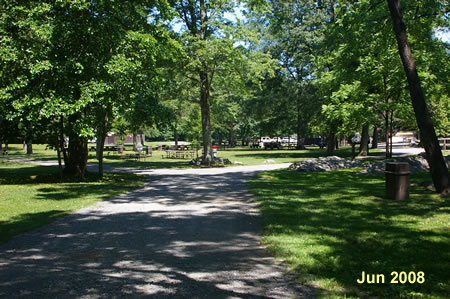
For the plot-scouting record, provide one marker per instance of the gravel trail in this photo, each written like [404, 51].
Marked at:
[190, 233]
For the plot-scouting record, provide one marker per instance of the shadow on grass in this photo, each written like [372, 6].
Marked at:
[182, 236]
[46, 197]
[20, 173]
[26, 222]
[147, 163]
[350, 228]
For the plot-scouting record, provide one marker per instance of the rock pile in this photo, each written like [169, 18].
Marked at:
[216, 161]
[416, 164]
[324, 164]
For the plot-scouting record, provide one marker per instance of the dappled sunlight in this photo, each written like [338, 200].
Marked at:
[352, 228]
[170, 238]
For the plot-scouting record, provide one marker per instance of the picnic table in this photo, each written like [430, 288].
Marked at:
[178, 154]
[135, 156]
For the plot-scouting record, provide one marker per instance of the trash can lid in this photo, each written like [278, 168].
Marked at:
[397, 167]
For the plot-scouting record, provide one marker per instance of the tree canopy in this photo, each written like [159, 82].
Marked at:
[212, 71]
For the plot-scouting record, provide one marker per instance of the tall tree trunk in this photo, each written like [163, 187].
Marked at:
[77, 157]
[175, 133]
[206, 122]
[375, 137]
[438, 167]
[364, 145]
[331, 143]
[29, 146]
[101, 137]
[387, 135]
[29, 139]
[58, 151]
[231, 135]
[300, 137]
[62, 145]
[134, 141]
[77, 153]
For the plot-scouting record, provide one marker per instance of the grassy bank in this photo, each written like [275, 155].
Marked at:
[332, 226]
[32, 196]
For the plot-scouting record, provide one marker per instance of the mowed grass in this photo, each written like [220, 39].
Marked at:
[245, 155]
[331, 226]
[250, 156]
[32, 196]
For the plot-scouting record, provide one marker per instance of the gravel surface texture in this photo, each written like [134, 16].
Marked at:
[191, 233]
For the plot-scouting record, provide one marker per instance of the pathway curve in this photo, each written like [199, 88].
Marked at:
[190, 233]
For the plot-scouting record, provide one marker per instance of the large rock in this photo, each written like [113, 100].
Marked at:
[216, 161]
[416, 164]
[324, 164]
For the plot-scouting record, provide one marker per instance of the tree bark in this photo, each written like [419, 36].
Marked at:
[77, 154]
[300, 137]
[388, 154]
[58, 151]
[29, 146]
[364, 145]
[29, 140]
[62, 141]
[175, 133]
[206, 122]
[231, 135]
[77, 157]
[375, 137]
[134, 141]
[438, 167]
[101, 137]
[331, 143]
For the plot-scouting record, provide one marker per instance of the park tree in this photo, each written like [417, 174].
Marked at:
[201, 18]
[438, 167]
[66, 62]
[374, 69]
[296, 32]
[212, 53]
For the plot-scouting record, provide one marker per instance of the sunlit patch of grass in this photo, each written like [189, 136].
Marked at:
[32, 196]
[331, 226]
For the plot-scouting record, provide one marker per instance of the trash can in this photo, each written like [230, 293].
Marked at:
[397, 180]
[148, 150]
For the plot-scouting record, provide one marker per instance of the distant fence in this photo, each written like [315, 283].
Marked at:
[444, 143]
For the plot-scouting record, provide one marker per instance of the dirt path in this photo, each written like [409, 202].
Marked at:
[188, 233]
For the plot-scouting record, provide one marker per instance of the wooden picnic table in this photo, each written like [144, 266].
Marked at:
[177, 154]
[135, 156]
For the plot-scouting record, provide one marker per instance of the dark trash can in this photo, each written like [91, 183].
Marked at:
[397, 180]
[148, 150]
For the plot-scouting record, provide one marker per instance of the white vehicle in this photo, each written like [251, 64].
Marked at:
[266, 139]
[287, 140]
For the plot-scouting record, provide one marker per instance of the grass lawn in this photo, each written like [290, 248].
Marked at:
[258, 156]
[32, 196]
[241, 154]
[331, 226]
